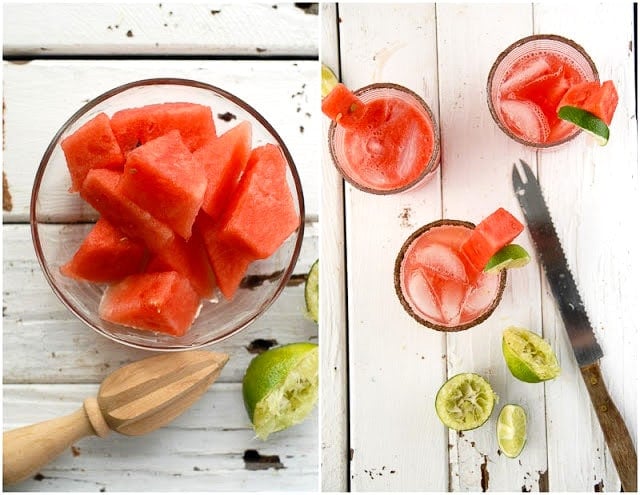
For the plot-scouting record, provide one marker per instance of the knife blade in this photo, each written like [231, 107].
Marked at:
[581, 335]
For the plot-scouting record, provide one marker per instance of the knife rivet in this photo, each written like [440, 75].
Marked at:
[603, 408]
[594, 380]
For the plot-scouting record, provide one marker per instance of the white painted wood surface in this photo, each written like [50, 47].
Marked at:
[444, 53]
[51, 362]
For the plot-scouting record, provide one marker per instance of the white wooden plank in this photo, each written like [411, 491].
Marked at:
[395, 365]
[44, 343]
[476, 180]
[201, 450]
[159, 28]
[333, 345]
[593, 197]
[284, 92]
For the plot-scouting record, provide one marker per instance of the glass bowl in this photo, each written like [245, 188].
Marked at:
[60, 220]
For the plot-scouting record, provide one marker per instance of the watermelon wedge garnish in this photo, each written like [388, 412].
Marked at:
[343, 107]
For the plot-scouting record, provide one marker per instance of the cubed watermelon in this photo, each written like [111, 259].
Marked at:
[92, 146]
[229, 263]
[600, 100]
[262, 212]
[342, 106]
[101, 190]
[163, 178]
[489, 236]
[188, 258]
[158, 302]
[224, 159]
[135, 126]
[105, 255]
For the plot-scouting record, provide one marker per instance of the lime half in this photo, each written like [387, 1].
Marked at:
[512, 430]
[588, 122]
[465, 401]
[280, 387]
[329, 80]
[510, 256]
[311, 292]
[528, 357]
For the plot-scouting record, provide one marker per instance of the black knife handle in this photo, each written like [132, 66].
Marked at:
[615, 431]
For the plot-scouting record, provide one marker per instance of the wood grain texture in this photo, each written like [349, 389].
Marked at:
[593, 195]
[202, 450]
[159, 28]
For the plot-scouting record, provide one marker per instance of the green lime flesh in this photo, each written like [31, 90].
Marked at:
[528, 356]
[586, 121]
[511, 430]
[311, 290]
[465, 402]
[510, 256]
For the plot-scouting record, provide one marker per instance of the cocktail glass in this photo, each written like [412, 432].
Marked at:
[395, 146]
[528, 80]
[435, 285]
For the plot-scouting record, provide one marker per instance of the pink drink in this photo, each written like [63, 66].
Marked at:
[393, 146]
[432, 280]
[527, 82]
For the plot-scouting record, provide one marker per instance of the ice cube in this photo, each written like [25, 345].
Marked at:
[421, 296]
[526, 119]
[441, 260]
[524, 72]
[408, 151]
[482, 294]
[451, 294]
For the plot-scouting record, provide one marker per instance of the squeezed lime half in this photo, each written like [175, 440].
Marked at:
[465, 401]
[280, 387]
[311, 289]
[529, 357]
[510, 256]
[511, 430]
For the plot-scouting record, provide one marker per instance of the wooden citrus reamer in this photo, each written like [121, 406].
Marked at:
[133, 400]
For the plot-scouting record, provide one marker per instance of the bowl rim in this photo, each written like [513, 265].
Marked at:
[82, 111]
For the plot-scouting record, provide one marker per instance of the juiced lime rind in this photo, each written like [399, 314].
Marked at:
[529, 357]
[587, 121]
[511, 430]
[280, 387]
[329, 80]
[510, 256]
[311, 291]
[465, 402]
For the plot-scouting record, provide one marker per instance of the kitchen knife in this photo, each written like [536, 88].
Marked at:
[583, 340]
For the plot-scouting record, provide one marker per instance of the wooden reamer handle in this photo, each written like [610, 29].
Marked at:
[28, 449]
[616, 434]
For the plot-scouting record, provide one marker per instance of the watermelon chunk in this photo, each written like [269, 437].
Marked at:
[189, 258]
[135, 126]
[92, 146]
[101, 190]
[600, 100]
[158, 302]
[163, 178]
[224, 159]
[262, 213]
[342, 106]
[105, 255]
[229, 263]
[489, 236]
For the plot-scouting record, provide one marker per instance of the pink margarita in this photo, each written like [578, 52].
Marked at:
[527, 82]
[388, 143]
[435, 283]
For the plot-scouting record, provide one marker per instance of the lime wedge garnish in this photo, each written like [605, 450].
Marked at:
[280, 387]
[311, 292]
[465, 401]
[529, 357]
[510, 256]
[512, 430]
[588, 122]
[329, 80]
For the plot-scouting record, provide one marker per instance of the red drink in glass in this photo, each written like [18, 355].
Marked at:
[434, 283]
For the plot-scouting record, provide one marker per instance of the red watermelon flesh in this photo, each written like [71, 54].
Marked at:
[600, 100]
[158, 302]
[262, 213]
[105, 255]
[228, 262]
[163, 178]
[188, 258]
[92, 146]
[101, 190]
[224, 158]
[342, 106]
[135, 126]
[489, 236]
[546, 92]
